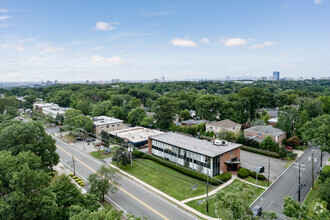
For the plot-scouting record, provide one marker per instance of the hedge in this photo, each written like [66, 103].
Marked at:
[71, 174]
[243, 172]
[260, 176]
[259, 151]
[224, 177]
[176, 167]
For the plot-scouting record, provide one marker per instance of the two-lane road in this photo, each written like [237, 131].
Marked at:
[287, 183]
[131, 196]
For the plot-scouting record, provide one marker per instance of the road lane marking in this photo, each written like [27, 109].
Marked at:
[146, 205]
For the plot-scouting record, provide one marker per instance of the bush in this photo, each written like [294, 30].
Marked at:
[181, 169]
[224, 177]
[71, 174]
[137, 153]
[259, 151]
[82, 184]
[260, 176]
[243, 172]
[74, 177]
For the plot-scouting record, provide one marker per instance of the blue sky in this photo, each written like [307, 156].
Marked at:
[131, 40]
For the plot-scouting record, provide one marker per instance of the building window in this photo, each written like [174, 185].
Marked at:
[102, 127]
[258, 134]
[113, 125]
[107, 126]
[231, 153]
[117, 125]
[233, 128]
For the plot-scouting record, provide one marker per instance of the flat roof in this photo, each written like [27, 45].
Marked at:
[104, 120]
[135, 134]
[195, 145]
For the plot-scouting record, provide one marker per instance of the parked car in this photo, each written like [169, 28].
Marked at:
[257, 211]
[79, 139]
[90, 140]
[259, 169]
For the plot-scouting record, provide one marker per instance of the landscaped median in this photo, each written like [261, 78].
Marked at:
[102, 154]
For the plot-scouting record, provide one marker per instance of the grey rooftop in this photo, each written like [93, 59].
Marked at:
[195, 145]
[266, 129]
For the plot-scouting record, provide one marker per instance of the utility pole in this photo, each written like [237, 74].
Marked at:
[268, 168]
[313, 170]
[207, 193]
[74, 167]
[299, 185]
[321, 160]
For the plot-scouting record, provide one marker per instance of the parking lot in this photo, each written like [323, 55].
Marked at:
[252, 160]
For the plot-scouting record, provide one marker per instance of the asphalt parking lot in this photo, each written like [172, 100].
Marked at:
[252, 160]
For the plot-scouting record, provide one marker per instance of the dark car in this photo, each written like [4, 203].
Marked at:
[131, 125]
[259, 169]
[79, 138]
[90, 140]
[257, 211]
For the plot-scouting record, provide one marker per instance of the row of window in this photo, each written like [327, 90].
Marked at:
[184, 157]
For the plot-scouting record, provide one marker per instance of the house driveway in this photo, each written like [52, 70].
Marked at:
[251, 161]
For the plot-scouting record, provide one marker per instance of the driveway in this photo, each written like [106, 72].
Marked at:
[251, 161]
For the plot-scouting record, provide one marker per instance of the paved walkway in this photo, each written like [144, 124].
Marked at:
[212, 192]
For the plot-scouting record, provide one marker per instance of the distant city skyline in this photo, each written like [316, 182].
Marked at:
[133, 40]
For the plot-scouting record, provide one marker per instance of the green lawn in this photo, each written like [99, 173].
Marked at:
[68, 138]
[104, 156]
[313, 194]
[260, 182]
[230, 188]
[165, 179]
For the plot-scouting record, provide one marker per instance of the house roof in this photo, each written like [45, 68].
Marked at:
[195, 145]
[194, 122]
[225, 124]
[266, 129]
[104, 120]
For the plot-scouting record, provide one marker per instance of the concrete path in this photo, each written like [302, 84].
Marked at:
[253, 184]
[212, 192]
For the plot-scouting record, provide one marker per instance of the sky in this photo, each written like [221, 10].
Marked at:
[80, 40]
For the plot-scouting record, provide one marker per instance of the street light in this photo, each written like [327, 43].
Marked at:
[130, 149]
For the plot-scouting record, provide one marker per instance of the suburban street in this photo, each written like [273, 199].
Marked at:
[131, 196]
[287, 183]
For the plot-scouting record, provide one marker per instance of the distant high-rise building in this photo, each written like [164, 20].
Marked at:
[87, 81]
[276, 75]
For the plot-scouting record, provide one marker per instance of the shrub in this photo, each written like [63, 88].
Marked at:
[71, 174]
[224, 177]
[259, 151]
[74, 177]
[137, 153]
[80, 181]
[260, 176]
[82, 184]
[243, 172]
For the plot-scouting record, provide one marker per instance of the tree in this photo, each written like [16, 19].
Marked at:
[318, 210]
[70, 114]
[286, 119]
[135, 103]
[117, 112]
[105, 137]
[121, 155]
[208, 106]
[136, 116]
[293, 141]
[164, 112]
[148, 122]
[317, 131]
[265, 117]
[185, 114]
[294, 209]
[30, 136]
[83, 122]
[269, 144]
[105, 180]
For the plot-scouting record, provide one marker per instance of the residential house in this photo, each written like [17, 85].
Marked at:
[224, 125]
[259, 132]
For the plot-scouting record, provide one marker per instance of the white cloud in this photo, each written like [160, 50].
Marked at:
[234, 42]
[49, 49]
[20, 48]
[183, 42]
[204, 40]
[104, 26]
[4, 46]
[97, 48]
[318, 2]
[262, 45]
[2, 18]
[112, 60]
[3, 10]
